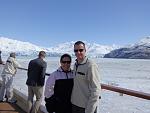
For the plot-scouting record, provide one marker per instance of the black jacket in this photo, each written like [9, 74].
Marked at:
[60, 101]
[0, 58]
[36, 72]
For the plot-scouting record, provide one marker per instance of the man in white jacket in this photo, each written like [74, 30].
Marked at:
[7, 75]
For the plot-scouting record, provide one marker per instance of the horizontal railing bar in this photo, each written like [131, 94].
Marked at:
[119, 89]
[27, 70]
[126, 91]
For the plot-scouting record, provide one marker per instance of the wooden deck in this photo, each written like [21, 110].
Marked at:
[10, 108]
[6, 107]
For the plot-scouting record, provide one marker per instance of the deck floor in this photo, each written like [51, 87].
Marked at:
[10, 108]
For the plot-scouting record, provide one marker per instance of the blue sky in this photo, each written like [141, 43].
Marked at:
[50, 22]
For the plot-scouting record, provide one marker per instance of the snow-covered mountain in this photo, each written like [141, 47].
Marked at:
[21, 48]
[139, 50]
[93, 50]
[8, 45]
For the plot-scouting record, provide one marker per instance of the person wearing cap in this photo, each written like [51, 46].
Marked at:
[35, 81]
[8, 74]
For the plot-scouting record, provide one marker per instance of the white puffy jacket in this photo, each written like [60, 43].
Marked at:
[10, 66]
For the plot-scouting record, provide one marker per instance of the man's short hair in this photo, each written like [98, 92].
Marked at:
[13, 54]
[79, 42]
[42, 54]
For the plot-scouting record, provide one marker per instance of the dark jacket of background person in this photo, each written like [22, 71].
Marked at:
[36, 72]
[1, 62]
[35, 82]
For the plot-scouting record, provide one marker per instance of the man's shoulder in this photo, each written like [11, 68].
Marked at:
[38, 62]
[44, 62]
[33, 60]
[91, 62]
[10, 58]
[41, 62]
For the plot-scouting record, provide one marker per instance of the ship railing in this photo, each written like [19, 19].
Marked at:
[120, 90]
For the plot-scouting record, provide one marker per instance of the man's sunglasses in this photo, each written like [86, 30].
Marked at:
[64, 62]
[80, 50]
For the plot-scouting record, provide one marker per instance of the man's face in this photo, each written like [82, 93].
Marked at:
[79, 51]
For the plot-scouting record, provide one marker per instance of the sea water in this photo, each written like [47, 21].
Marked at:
[127, 73]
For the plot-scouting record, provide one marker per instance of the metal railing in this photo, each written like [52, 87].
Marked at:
[126, 91]
[119, 90]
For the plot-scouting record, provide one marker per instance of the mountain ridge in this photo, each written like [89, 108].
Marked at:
[139, 50]
[21, 48]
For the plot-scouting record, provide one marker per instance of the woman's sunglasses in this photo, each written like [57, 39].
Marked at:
[64, 62]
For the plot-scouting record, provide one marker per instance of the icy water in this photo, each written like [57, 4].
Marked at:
[128, 73]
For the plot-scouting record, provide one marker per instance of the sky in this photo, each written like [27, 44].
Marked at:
[51, 22]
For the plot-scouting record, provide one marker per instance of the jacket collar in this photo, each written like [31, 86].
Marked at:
[61, 70]
[83, 62]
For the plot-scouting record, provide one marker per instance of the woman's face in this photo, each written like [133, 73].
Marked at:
[65, 63]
